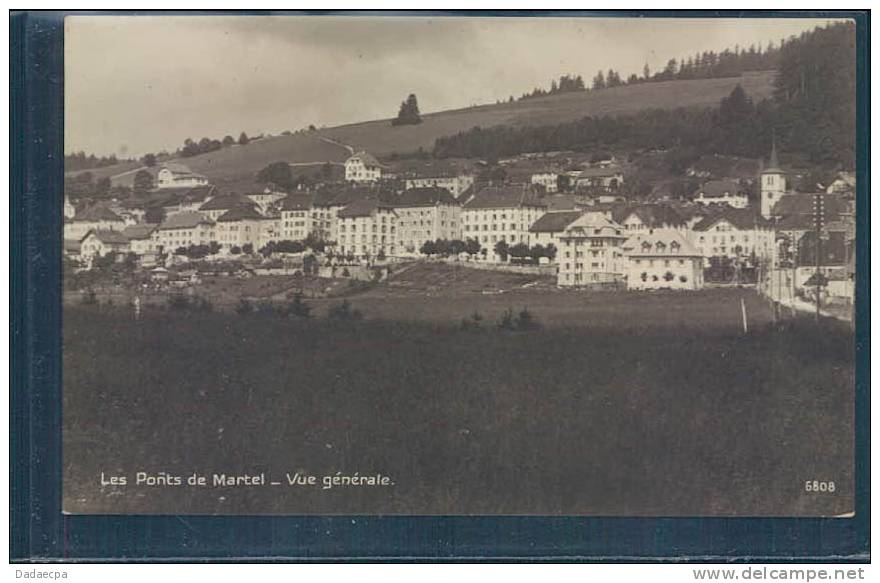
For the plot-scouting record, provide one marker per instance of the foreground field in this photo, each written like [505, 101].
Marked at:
[680, 416]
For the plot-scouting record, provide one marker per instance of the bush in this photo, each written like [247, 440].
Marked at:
[298, 307]
[343, 311]
[89, 298]
[244, 307]
[521, 322]
[472, 322]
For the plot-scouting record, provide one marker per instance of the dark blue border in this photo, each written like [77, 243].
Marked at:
[38, 530]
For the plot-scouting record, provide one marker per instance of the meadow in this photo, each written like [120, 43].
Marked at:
[655, 408]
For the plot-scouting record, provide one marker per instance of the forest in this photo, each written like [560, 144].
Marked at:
[812, 115]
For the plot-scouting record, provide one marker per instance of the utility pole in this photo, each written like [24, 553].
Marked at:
[819, 222]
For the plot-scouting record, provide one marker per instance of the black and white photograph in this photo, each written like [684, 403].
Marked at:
[449, 264]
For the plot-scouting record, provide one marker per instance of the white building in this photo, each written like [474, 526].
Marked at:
[662, 259]
[216, 207]
[590, 252]
[266, 198]
[722, 192]
[363, 167]
[734, 234]
[99, 242]
[238, 227]
[500, 214]
[296, 217]
[548, 180]
[183, 230]
[645, 217]
[179, 176]
[605, 178]
[69, 209]
[426, 214]
[142, 239]
[367, 228]
[455, 184]
[94, 218]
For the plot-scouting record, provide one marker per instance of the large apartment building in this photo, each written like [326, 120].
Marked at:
[502, 213]
[591, 252]
[426, 214]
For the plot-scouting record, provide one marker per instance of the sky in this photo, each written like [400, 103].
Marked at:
[142, 84]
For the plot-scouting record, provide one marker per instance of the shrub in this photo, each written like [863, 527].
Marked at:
[522, 321]
[343, 311]
[89, 298]
[298, 307]
[244, 307]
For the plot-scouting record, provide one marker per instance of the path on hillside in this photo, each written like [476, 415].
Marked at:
[337, 143]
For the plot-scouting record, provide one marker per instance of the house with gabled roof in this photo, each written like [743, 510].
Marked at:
[426, 214]
[174, 175]
[219, 205]
[100, 242]
[735, 233]
[662, 259]
[367, 228]
[97, 217]
[363, 167]
[722, 192]
[590, 252]
[184, 230]
[643, 217]
[142, 238]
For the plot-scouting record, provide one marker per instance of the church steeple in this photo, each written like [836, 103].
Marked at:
[773, 165]
[773, 185]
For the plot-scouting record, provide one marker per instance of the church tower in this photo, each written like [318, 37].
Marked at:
[772, 184]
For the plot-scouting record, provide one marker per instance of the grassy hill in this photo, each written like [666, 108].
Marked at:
[381, 139]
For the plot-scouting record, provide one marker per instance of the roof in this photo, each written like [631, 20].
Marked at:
[431, 168]
[802, 205]
[773, 165]
[108, 236]
[600, 172]
[187, 220]
[740, 218]
[342, 196]
[362, 208]
[595, 224]
[225, 202]
[720, 188]
[72, 245]
[660, 243]
[367, 159]
[653, 215]
[296, 202]
[555, 222]
[177, 168]
[425, 197]
[510, 196]
[95, 213]
[142, 231]
[241, 213]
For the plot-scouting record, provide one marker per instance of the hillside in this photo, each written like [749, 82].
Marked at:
[381, 139]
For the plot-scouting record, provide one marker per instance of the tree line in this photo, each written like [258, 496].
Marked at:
[812, 115]
[81, 161]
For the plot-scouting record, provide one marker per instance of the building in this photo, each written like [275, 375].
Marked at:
[548, 229]
[644, 217]
[426, 214]
[590, 252]
[662, 259]
[100, 242]
[183, 230]
[549, 181]
[773, 184]
[367, 228]
[722, 192]
[238, 227]
[502, 213]
[326, 204]
[455, 184]
[843, 183]
[363, 167]
[266, 198]
[94, 218]
[296, 217]
[179, 176]
[220, 205]
[735, 233]
[142, 239]
[604, 178]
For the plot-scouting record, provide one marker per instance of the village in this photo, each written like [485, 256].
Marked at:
[559, 214]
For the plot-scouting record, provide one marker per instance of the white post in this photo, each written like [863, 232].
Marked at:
[742, 302]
